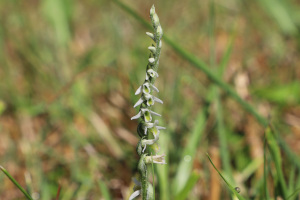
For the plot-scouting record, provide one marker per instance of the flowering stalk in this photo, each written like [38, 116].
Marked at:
[147, 129]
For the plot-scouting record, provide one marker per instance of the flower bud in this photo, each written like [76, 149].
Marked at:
[152, 49]
[159, 33]
[150, 35]
[155, 20]
[152, 11]
[151, 60]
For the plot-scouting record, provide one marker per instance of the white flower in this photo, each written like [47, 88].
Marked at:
[152, 125]
[146, 88]
[152, 73]
[146, 113]
[154, 129]
[150, 99]
[158, 159]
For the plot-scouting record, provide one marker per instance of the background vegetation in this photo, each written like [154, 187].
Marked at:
[69, 70]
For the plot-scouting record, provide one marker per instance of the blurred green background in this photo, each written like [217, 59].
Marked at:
[69, 70]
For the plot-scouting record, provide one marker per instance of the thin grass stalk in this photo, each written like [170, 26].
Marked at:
[16, 183]
[233, 190]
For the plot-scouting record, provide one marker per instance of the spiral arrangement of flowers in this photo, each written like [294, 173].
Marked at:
[147, 129]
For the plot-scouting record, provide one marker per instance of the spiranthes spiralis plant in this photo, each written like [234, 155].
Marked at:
[147, 129]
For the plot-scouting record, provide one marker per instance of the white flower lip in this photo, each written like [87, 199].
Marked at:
[135, 194]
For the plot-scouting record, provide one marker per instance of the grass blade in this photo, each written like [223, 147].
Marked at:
[16, 183]
[104, 191]
[188, 186]
[227, 183]
[275, 153]
[265, 186]
[293, 194]
[185, 166]
[163, 170]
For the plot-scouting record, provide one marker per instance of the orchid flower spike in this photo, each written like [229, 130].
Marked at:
[147, 129]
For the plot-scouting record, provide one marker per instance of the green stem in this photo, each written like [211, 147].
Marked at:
[16, 183]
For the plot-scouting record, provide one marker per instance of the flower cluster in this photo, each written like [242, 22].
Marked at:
[147, 129]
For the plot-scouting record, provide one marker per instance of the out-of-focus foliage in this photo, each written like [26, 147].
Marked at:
[69, 70]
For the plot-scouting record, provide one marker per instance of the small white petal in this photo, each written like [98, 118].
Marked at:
[160, 127]
[149, 142]
[138, 91]
[155, 20]
[135, 194]
[159, 32]
[152, 10]
[151, 35]
[145, 130]
[157, 100]
[139, 102]
[152, 49]
[151, 60]
[144, 148]
[147, 76]
[154, 88]
[154, 113]
[160, 44]
[137, 116]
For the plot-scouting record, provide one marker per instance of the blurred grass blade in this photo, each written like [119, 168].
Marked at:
[296, 192]
[284, 94]
[276, 157]
[185, 166]
[194, 177]
[153, 178]
[57, 12]
[16, 183]
[104, 191]
[104, 132]
[227, 183]
[162, 171]
[265, 179]
[292, 184]
[280, 11]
